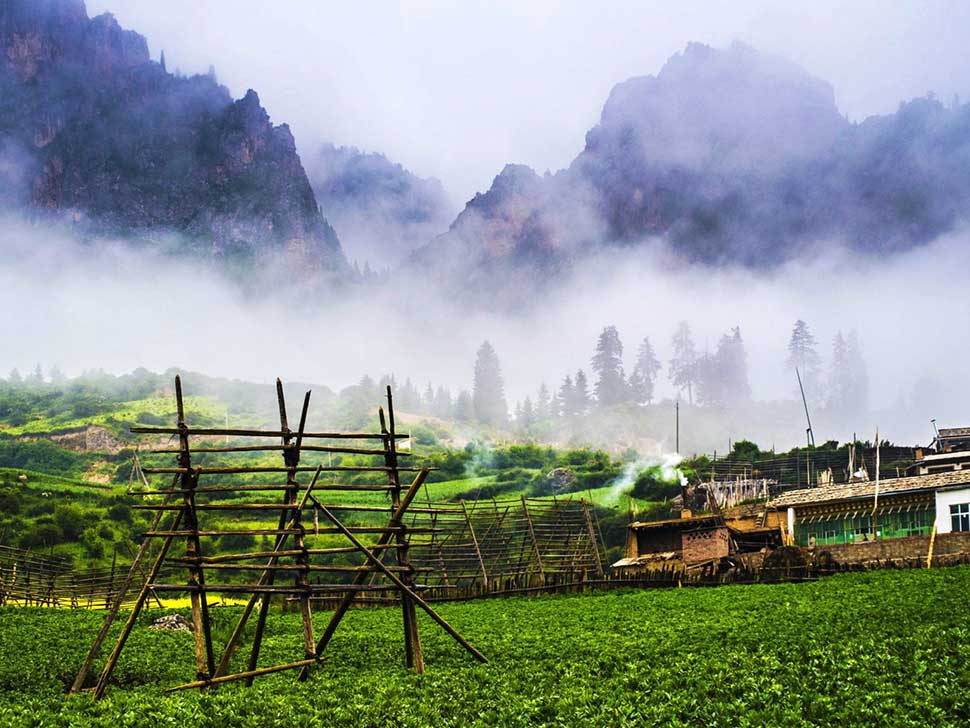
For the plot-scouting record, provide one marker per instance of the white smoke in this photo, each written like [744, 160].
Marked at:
[664, 467]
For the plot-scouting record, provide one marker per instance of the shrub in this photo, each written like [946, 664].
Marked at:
[651, 486]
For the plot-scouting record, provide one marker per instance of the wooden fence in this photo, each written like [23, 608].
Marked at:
[31, 579]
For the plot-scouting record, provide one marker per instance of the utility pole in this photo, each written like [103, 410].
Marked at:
[809, 435]
[677, 426]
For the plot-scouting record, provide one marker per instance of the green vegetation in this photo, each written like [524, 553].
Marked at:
[877, 648]
[67, 517]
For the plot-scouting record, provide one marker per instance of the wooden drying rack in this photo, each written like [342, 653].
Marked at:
[293, 557]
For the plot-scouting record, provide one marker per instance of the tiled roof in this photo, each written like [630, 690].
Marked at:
[867, 489]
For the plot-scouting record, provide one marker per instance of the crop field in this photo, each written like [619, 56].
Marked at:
[877, 648]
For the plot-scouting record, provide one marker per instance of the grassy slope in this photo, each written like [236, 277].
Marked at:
[54, 483]
[882, 648]
[122, 412]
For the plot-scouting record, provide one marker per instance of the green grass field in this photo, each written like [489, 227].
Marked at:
[124, 412]
[877, 648]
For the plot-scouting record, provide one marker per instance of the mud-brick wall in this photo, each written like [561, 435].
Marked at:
[705, 545]
[947, 548]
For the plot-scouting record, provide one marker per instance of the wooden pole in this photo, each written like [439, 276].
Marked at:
[130, 622]
[288, 497]
[592, 537]
[264, 579]
[532, 534]
[204, 659]
[412, 640]
[478, 551]
[405, 589]
[119, 598]
[360, 578]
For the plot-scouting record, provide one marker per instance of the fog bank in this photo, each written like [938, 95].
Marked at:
[83, 306]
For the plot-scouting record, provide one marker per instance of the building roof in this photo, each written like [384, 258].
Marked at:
[849, 491]
[938, 456]
[946, 432]
[692, 522]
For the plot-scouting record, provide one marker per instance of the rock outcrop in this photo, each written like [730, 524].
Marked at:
[95, 134]
[382, 210]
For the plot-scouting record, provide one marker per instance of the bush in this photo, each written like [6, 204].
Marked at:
[41, 535]
[651, 486]
[513, 474]
[151, 419]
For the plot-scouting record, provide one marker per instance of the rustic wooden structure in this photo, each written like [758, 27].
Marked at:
[32, 579]
[203, 556]
[510, 541]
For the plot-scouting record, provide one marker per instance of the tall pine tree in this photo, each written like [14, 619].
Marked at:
[543, 406]
[734, 362]
[848, 383]
[644, 373]
[607, 364]
[683, 365]
[464, 408]
[566, 398]
[488, 391]
[722, 378]
[803, 356]
[581, 397]
[838, 378]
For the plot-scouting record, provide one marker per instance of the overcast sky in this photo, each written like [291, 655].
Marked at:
[458, 89]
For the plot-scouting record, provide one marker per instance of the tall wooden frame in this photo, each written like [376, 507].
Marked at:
[294, 553]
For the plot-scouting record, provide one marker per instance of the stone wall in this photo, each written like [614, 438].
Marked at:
[948, 548]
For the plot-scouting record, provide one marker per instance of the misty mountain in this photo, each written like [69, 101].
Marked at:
[96, 135]
[382, 210]
[729, 157]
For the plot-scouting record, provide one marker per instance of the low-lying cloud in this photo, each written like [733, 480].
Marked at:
[82, 306]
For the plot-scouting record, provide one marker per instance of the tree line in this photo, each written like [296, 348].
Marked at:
[718, 378]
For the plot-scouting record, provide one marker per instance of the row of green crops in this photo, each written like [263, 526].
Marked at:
[879, 648]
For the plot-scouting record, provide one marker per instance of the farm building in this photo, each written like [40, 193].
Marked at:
[905, 507]
[695, 540]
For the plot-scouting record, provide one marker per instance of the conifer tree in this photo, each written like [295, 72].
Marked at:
[488, 392]
[607, 364]
[734, 363]
[566, 398]
[409, 399]
[543, 407]
[722, 378]
[838, 380]
[581, 398]
[525, 414]
[56, 375]
[802, 355]
[644, 373]
[683, 365]
[36, 376]
[442, 403]
[848, 383]
[464, 408]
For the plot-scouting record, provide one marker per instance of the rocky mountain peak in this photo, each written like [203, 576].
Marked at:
[40, 36]
[720, 109]
[92, 132]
